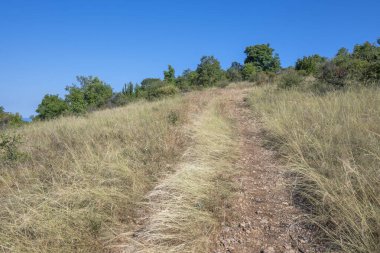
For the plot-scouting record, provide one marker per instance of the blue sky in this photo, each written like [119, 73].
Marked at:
[44, 45]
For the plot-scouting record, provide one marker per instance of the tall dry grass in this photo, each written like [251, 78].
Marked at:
[82, 178]
[185, 207]
[332, 143]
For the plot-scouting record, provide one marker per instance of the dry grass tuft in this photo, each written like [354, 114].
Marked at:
[184, 208]
[332, 143]
[83, 177]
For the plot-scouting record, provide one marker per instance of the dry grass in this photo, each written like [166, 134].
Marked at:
[185, 207]
[83, 177]
[332, 142]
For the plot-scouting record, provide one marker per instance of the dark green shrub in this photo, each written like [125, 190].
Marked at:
[333, 74]
[290, 79]
[310, 64]
[234, 73]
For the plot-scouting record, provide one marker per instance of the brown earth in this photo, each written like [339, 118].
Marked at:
[261, 216]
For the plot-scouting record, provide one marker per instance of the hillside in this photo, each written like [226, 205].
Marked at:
[198, 173]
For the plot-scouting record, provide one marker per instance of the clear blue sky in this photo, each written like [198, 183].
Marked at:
[45, 44]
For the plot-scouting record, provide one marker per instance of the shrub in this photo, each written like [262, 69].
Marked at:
[161, 91]
[209, 71]
[52, 106]
[310, 64]
[290, 79]
[249, 71]
[234, 73]
[333, 74]
[9, 147]
[9, 119]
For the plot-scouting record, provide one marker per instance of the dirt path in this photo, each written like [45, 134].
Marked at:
[258, 218]
[261, 217]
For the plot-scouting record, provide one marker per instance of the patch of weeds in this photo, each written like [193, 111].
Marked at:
[173, 117]
[9, 144]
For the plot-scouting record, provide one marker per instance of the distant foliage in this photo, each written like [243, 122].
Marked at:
[290, 79]
[9, 119]
[234, 73]
[310, 64]
[52, 106]
[263, 58]
[209, 71]
[362, 66]
[249, 71]
[187, 80]
[169, 75]
[92, 93]
[9, 151]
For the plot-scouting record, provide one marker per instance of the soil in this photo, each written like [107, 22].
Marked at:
[261, 217]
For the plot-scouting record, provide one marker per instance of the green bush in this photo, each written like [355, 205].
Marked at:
[161, 91]
[290, 79]
[310, 64]
[333, 74]
[9, 119]
[51, 106]
[249, 71]
[234, 73]
[9, 147]
[209, 71]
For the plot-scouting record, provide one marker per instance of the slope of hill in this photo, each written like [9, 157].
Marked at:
[200, 172]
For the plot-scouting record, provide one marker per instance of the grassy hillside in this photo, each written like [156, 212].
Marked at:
[332, 143]
[81, 178]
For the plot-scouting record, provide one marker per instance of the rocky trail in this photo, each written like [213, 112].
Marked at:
[259, 217]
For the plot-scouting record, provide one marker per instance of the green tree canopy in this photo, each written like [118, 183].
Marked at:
[169, 75]
[209, 71]
[262, 57]
[234, 73]
[52, 106]
[249, 71]
[91, 93]
[310, 64]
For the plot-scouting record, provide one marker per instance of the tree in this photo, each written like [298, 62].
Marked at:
[234, 73]
[96, 92]
[128, 89]
[262, 57]
[51, 106]
[209, 71]
[187, 79]
[367, 51]
[249, 71]
[310, 64]
[75, 100]
[91, 93]
[150, 82]
[169, 75]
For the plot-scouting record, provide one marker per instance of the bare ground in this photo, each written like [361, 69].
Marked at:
[261, 217]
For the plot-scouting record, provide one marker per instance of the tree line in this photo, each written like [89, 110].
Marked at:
[261, 65]
[90, 93]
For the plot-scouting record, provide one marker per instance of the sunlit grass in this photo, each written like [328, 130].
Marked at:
[332, 143]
